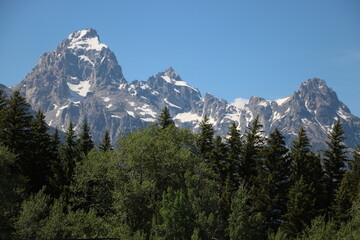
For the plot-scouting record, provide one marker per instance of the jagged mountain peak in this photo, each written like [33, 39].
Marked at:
[86, 39]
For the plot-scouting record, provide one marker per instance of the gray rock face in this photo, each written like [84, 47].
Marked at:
[81, 79]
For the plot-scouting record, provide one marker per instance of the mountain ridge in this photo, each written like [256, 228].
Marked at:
[81, 79]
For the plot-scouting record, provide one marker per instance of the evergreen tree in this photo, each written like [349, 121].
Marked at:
[354, 174]
[218, 157]
[334, 161]
[41, 153]
[164, 119]
[243, 222]
[85, 143]
[300, 208]
[17, 128]
[272, 185]
[251, 152]
[205, 140]
[177, 218]
[69, 156]
[342, 203]
[106, 143]
[57, 175]
[3, 104]
[234, 144]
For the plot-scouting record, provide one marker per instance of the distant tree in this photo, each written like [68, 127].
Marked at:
[85, 142]
[334, 161]
[205, 140]
[3, 104]
[251, 151]
[164, 119]
[106, 143]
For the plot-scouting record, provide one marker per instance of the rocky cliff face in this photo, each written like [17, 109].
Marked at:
[81, 79]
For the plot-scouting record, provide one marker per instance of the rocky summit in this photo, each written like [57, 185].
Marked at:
[81, 79]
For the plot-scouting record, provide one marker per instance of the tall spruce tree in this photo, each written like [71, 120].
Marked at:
[334, 161]
[164, 119]
[3, 104]
[41, 153]
[234, 144]
[354, 174]
[17, 129]
[300, 208]
[106, 143]
[251, 152]
[57, 176]
[306, 193]
[69, 156]
[85, 142]
[273, 181]
[205, 141]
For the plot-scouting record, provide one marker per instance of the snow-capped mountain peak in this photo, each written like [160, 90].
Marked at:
[87, 39]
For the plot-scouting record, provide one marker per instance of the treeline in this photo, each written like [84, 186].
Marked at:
[163, 182]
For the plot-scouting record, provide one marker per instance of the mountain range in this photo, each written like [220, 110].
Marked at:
[81, 79]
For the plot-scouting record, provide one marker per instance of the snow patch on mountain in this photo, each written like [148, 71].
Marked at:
[82, 88]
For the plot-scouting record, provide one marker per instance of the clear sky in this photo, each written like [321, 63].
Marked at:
[229, 48]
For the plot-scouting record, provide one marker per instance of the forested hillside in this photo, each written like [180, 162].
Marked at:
[163, 182]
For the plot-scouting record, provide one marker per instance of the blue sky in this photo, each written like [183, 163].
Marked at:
[228, 48]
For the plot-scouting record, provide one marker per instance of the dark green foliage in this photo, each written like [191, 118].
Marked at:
[164, 119]
[300, 208]
[84, 142]
[177, 217]
[232, 164]
[334, 161]
[41, 153]
[106, 143]
[205, 141]
[69, 154]
[12, 186]
[272, 184]
[243, 222]
[342, 202]
[168, 183]
[56, 175]
[16, 130]
[251, 152]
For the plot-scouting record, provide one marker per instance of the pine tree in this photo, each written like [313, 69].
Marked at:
[69, 156]
[334, 161]
[354, 174]
[300, 208]
[17, 129]
[205, 140]
[234, 144]
[85, 143]
[3, 105]
[106, 143]
[57, 176]
[41, 153]
[272, 185]
[342, 203]
[251, 151]
[164, 119]
[243, 222]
